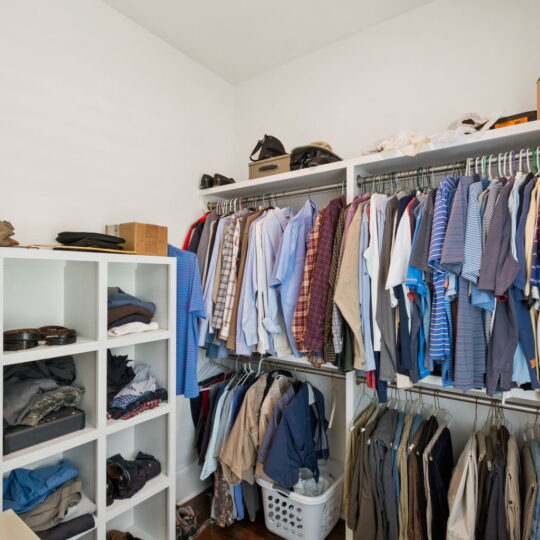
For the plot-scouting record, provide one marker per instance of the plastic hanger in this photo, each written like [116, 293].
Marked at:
[490, 174]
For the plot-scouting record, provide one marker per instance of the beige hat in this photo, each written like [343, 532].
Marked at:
[317, 144]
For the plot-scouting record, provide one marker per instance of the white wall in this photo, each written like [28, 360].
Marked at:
[101, 122]
[420, 71]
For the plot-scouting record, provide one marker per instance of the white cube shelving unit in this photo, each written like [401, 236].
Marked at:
[44, 287]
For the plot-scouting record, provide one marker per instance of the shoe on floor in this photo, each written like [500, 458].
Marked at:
[186, 522]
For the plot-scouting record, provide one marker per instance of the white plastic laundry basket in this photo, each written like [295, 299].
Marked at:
[294, 516]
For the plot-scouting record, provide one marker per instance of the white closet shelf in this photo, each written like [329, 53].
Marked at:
[515, 394]
[119, 506]
[114, 426]
[136, 339]
[41, 352]
[27, 456]
[302, 179]
[488, 142]
[91, 256]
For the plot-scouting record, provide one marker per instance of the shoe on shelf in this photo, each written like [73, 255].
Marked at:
[186, 522]
[129, 476]
[220, 180]
[207, 181]
[110, 492]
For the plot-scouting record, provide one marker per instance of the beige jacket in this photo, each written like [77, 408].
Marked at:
[463, 494]
[347, 294]
[239, 453]
[512, 493]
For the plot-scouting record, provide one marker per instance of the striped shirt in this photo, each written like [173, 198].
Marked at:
[473, 235]
[440, 345]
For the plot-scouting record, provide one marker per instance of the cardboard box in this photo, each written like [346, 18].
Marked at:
[12, 526]
[538, 98]
[143, 238]
[267, 167]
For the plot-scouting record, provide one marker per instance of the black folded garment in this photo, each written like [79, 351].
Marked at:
[68, 529]
[88, 242]
[69, 238]
[61, 369]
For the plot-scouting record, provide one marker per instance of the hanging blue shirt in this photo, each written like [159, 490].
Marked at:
[289, 266]
[24, 489]
[440, 345]
[246, 327]
[189, 308]
[416, 280]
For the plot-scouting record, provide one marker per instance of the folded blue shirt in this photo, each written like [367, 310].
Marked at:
[26, 488]
[120, 298]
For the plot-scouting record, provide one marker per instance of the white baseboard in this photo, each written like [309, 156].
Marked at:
[188, 483]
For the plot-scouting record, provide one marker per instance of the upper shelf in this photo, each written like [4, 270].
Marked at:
[488, 142]
[302, 179]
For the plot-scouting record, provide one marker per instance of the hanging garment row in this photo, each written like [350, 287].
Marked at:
[251, 424]
[398, 285]
[400, 479]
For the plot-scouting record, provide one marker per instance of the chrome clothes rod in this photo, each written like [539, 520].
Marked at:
[419, 173]
[340, 186]
[476, 400]
[290, 366]
[479, 164]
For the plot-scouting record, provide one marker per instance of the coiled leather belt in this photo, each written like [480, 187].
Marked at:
[27, 338]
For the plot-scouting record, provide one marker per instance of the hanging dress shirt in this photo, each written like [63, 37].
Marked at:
[246, 331]
[440, 346]
[204, 324]
[289, 267]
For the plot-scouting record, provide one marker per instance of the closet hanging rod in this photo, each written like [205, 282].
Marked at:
[480, 400]
[412, 173]
[477, 163]
[280, 195]
[272, 362]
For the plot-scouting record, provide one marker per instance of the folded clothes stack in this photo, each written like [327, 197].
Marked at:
[91, 240]
[35, 395]
[127, 314]
[131, 388]
[50, 500]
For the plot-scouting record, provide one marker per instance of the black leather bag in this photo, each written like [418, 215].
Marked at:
[268, 147]
[311, 156]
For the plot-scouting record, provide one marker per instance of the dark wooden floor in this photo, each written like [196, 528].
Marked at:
[241, 530]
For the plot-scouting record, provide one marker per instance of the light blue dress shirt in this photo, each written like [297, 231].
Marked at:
[289, 267]
[246, 328]
[272, 232]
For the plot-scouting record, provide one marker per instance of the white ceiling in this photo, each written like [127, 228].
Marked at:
[238, 39]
